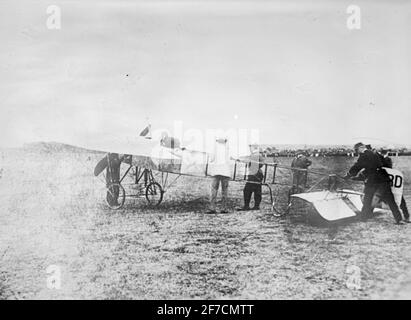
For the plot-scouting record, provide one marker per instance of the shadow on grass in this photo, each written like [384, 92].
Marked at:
[184, 205]
[307, 214]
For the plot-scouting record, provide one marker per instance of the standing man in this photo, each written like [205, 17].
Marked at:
[220, 170]
[113, 176]
[169, 142]
[301, 164]
[377, 179]
[111, 162]
[254, 180]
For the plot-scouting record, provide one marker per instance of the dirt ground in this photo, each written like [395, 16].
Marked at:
[52, 213]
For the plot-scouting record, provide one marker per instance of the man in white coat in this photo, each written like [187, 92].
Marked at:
[220, 170]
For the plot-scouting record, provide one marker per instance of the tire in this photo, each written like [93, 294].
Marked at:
[111, 191]
[154, 194]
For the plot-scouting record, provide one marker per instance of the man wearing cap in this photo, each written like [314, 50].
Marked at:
[300, 165]
[377, 179]
[111, 162]
[169, 142]
[254, 179]
[386, 160]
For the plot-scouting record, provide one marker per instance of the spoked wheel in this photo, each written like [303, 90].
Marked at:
[115, 196]
[154, 194]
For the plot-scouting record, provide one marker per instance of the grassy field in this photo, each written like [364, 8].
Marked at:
[52, 212]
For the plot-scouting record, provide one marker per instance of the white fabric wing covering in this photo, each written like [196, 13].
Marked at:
[194, 163]
[148, 153]
[334, 209]
[332, 205]
[138, 146]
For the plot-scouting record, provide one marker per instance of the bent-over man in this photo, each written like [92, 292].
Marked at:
[377, 179]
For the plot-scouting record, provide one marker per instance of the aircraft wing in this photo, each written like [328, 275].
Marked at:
[150, 154]
[135, 146]
[333, 206]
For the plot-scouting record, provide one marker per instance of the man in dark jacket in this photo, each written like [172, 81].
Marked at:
[254, 179]
[300, 165]
[113, 176]
[377, 179]
[386, 160]
[253, 185]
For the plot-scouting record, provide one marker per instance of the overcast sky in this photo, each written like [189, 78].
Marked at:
[291, 69]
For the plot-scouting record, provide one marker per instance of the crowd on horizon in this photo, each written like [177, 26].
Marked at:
[325, 152]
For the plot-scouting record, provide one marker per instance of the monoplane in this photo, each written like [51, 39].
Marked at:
[150, 164]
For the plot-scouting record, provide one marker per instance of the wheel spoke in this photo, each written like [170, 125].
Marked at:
[154, 194]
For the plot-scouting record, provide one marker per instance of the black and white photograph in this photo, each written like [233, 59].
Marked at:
[185, 150]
